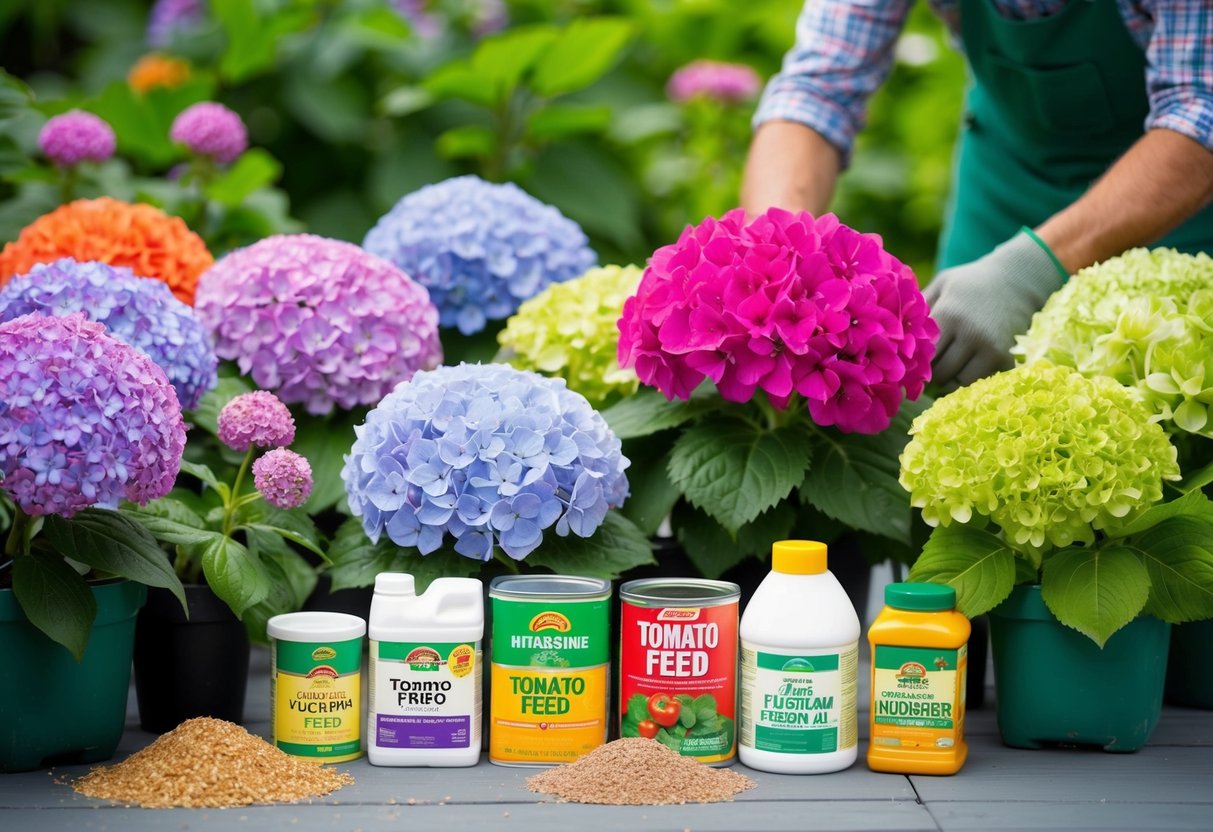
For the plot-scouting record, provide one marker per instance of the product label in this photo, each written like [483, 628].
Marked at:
[918, 696]
[678, 678]
[799, 702]
[550, 678]
[425, 695]
[316, 698]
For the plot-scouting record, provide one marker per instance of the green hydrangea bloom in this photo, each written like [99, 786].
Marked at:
[570, 331]
[1049, 455]
[1145, 319]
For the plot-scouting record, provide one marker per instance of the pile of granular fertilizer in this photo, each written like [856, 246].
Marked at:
[210, 763]
[639, 772]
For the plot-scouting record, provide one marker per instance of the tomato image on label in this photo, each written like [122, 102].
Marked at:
[664, 709]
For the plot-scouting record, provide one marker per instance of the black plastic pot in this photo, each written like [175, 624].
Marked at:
[189, 668]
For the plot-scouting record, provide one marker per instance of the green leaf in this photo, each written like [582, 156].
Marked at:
[648, 412]
[170, 521]
[300, 575]
[854, 477]
[356, 561]
[616, 546]
[593, 188]
[714, 551]
[294, 525]
[1193, 504]
[1095, 591]
[55, 599]
[234, 574]
[206, 414]
[254, 169]
[459, 80]
[979, 565]
[734, 470]
[705, 707]
[15, 96]
[468, 140]
[325, 442]
[652, 494]
[404, 101]
[1196, 479]
[252, 37]
[557, 121]
[1178, 554]
[115, 544]
[502, 60]
[582, 54]
[205, 474]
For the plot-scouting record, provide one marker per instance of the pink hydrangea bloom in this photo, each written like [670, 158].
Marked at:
[729, 83]
[255, 419]
[210, 129]
[787, 304]
[75, 136]
[283, 477]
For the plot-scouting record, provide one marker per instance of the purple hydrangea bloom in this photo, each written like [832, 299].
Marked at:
[75, 136]
[210, 129]
[480, 248]
[429, 19]
[85, 420]
[256, 419]
[168, 17]
[716, 80]
[318, 321]
[283, 477]
[493, 455]
[139, 311]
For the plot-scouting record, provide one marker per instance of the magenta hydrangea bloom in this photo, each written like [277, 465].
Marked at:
[85, 420]
[719, 81]
[257, 419]
[210, 129]
[283, 477]
[317, 321]
[787, 304]
[76, 136]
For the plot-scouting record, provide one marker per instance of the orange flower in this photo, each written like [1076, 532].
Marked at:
[157, 71]
[141, 237]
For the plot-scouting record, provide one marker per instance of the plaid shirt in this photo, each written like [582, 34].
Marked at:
[844, 50]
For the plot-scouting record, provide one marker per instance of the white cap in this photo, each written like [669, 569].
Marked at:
[395, 583]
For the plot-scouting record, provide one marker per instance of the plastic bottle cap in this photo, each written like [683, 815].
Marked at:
[395, 583]
[921, 597]
[798, 557]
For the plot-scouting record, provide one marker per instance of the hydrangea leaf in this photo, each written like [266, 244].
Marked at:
[500, 62]
[291, 581]
[293, 525]
[581, 55]
[648, 412]
[1178, 554]
[324, 442]
[356, 560]
[253, 170]
[652, 495]
[714, 551]
[979, 565]
[170, 521]
[1193, 505]
[617, 546]
[1196, 479]
[55, 599]
[234, 573]
[734, 470]
[1095, 590]
[206, 414]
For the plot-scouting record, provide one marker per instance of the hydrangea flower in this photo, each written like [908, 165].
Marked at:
[141, 237]
[786, 304]
[169, 17]
[135, 310]
[492, 455]
[283, 477]
[257, 419]
[318, 321]
[480, 248]
[1044, 452]
[1144, 318]
[429, 19]
[571, 330]
[210, 129]
[716, 80]
[76, 136]
[85, 420]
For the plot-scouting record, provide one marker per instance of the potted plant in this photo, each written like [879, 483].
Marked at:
[1049, 494]
[85, 421]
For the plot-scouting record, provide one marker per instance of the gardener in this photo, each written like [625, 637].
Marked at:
[1089, 130]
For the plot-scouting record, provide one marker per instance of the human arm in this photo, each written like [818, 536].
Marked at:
[789, 166]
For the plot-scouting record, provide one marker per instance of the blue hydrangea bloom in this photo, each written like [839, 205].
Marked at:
[493, 455]
[138, 311]
[480, 248]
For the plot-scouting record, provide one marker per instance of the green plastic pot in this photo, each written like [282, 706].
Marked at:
[58, 711]
[1190, 667]
[1057, 687]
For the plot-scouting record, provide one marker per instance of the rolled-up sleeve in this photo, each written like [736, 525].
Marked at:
[1179, 75]
[843, 52]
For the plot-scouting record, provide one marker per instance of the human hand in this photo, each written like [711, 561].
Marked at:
[981, 306]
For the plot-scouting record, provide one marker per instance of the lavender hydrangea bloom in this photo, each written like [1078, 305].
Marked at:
[256, 419]
[136, 310]
[480, 248]
[75, 136]
[493, 455]
[318, 321]
[210, 129]
[168, 17]
[283, 477]
[85, 420]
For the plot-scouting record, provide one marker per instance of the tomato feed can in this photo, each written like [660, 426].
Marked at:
[678, 665]
[550, 668]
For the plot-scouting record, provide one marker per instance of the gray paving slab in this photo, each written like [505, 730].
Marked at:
[1064, 817]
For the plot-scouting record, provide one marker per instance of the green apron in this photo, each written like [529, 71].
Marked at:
[1054, 101]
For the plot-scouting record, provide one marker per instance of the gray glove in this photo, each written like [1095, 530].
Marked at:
[981, 306]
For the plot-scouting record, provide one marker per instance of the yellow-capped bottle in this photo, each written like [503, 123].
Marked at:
[919, 663]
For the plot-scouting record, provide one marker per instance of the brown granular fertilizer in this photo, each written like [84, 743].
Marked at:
[213, 764]
[639, 772]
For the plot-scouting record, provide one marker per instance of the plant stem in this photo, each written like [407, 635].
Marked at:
[508, 562]
[18, 536]
[67, 183]
[233, 499]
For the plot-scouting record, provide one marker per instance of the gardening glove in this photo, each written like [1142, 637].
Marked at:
[981, 306]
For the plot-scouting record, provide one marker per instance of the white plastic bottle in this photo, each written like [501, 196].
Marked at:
[424, 707]
[799, 667]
